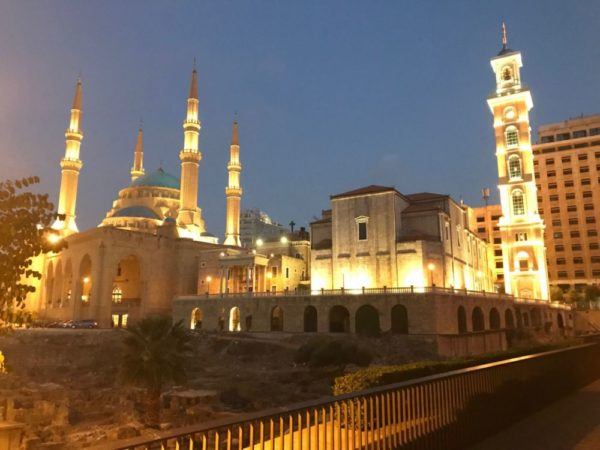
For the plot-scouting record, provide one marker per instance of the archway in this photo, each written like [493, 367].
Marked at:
[366, 321]
[509, 320]
[477, 320]
[196, 319]
[277, 318]
[310, 319]
[248, 322]
[494, 319]
[461, 318]
[560, 321]
[85, 279]
[525, 319]
[399, 320]
[58, 285]
[536, 317]
[235, 323]
[49, 284]
[127, 280]
[339, 320]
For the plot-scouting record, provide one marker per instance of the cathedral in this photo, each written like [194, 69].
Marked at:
[151, 245]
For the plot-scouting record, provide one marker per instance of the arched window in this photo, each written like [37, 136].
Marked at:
[494, 319]
[399, 320]
[197, 316]
[511, 137]
[339, 320]
[506, 73]
[310, 319]
[117, 294]
[514, 167]
[477, 319]
[277, 318]
[367, 321]
[522, 261]
[518, 203]
[234, 319]
[509, 319]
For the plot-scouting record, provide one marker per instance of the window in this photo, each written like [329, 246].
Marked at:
[117, 294]
[590, 220]
[523, 264]
[561, 261]
[578, 260]
[594, 246]
[512, 137]
[559, 248]
[498, 264]
[594, 131]
[588, 207]
[562, 274]
[549, 161]
[576, 247]
[579, 274]
[569, 183]
[582, 157]
[567, 171]
[552, 186]
[584, 169]
[556, 223]
[566, 159]
[551, 173]
[287, 272]
[579, 134]
[481, 230]
[557, 235]
[518, 203]
[362, 231]
[554, 198]
[592, 232]
[555, 210]
[595, 259]
[497, 241]
[274, 271]
[573, 221]
[570, 196]
[497, 252]
[563, 136]
[514, 166]
[572, 208]
[547, 139]
[495, 217]
[574, 234]
[481, 219]
[521, 237]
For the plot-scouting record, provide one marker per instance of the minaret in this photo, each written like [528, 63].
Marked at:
[189, 218]
[521, 227]
[233, 192]
[70, 167]
[138, 156]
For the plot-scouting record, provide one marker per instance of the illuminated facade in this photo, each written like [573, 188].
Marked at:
[256, 225]
[376, 237]
[521, 227]
[233, 191]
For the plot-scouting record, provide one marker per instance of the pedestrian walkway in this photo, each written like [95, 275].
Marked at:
[572, 423]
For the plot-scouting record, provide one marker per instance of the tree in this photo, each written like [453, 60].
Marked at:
[592, 293]
[155, 352]
[573, 296]
[556, 294]
[25, 218]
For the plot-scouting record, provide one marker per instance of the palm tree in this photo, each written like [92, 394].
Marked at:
[155, 351]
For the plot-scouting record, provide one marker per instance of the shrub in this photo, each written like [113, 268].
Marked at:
[381, 375]
[322, 352]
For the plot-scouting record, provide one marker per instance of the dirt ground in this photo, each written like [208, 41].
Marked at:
[65, 385]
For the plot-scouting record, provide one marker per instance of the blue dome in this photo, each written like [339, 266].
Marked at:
[136, 211]
[158, 178]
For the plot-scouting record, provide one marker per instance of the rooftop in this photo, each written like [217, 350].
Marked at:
[372, 189]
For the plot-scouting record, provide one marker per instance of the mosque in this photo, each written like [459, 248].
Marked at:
[151, 245]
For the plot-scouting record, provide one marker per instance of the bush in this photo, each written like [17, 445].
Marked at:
[322, 352]
[382, 375]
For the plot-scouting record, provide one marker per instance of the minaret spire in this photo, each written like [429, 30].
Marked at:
[189, 217]
[138, 155]
[70, 167]
[233, 191]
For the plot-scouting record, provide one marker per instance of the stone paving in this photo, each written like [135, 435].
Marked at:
[572, 423]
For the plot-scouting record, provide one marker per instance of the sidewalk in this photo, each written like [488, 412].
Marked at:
[572, 423]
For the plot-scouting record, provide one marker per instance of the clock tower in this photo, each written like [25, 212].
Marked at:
[521, 227]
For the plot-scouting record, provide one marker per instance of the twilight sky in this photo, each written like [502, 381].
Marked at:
[330, 95]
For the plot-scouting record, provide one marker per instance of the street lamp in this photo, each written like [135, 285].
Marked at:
[431, 268]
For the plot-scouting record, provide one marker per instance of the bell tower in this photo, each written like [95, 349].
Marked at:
[521, 227]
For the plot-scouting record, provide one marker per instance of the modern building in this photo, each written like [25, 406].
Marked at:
[521, 227]
[376, 237]
[256, 225]
[566, 161]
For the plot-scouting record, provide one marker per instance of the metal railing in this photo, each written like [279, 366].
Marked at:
[444, 411]
[375, 291]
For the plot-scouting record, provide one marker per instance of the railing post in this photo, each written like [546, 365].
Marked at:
[322, 291]
[412, 289]
[363, 290]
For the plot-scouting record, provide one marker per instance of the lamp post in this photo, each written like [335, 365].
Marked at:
[431, 268]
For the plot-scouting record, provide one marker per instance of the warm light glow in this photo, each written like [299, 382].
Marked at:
[284, 240]
[53, 238]
[222, 254]
[269, 275]
[86, 279]
[208, 279]
[431, 266]
[259, 242]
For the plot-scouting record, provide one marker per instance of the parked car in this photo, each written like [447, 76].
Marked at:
[87, 323]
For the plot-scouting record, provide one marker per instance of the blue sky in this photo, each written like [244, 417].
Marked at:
[330, 95]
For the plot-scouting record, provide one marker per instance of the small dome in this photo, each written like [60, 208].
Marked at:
[158, 178]
[169, 220]
[136, 211]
